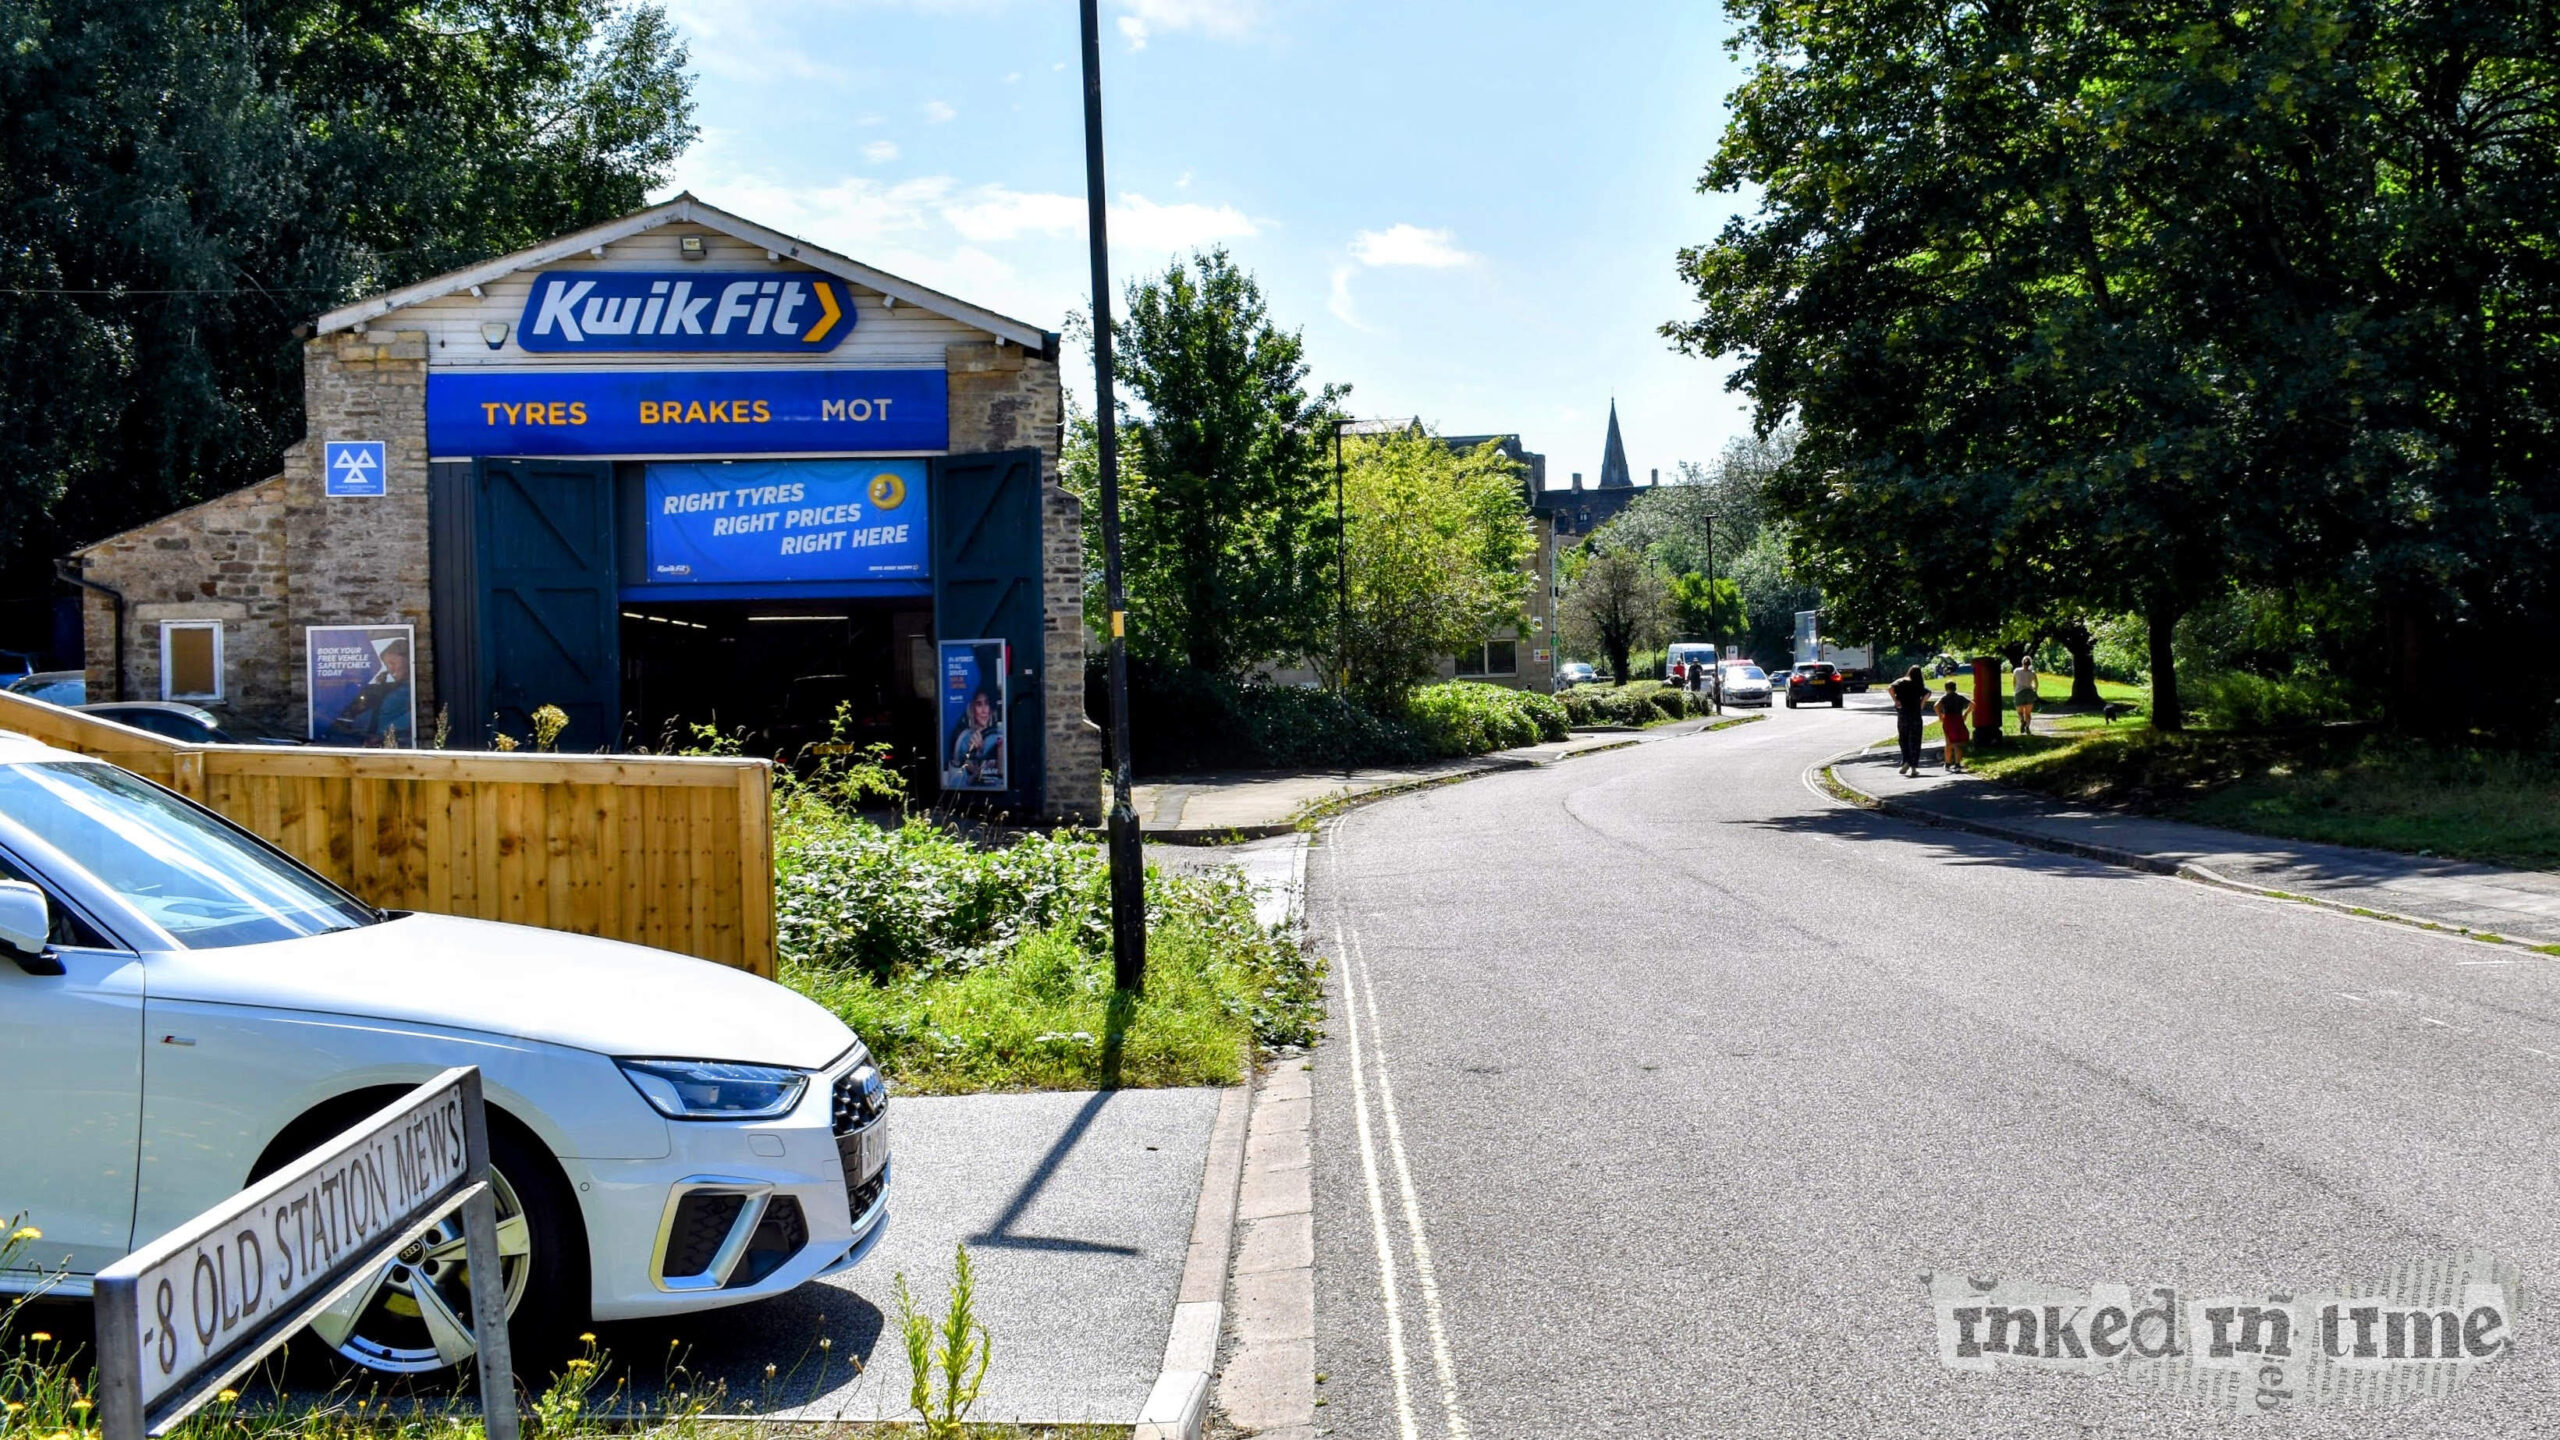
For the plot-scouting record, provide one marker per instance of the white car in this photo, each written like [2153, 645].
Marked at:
[183, 1008]
[1744, 684]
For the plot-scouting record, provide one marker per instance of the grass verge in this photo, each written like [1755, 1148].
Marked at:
[2330, 785]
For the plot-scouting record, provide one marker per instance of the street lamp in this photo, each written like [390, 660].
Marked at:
[1128, 860]
[1715, 619]
[1341, 566]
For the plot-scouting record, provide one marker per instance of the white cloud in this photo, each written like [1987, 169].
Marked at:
[880, 152]
[1409, 245]
[1338, 304]
[1225, 19]
[936, 112]
[992, 213]
[1143, 224]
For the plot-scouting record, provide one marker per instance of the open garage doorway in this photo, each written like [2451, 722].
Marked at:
[778, 674]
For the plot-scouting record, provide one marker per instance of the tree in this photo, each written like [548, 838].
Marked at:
[2094, 308]
[182, 182]
[1439, 546]
[1227, 499]
[1614, 603]
[1701, 610]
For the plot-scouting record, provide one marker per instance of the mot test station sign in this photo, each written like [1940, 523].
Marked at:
[787, 521]
[686, 412]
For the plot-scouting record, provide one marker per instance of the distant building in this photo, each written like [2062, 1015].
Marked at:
[1576, 511]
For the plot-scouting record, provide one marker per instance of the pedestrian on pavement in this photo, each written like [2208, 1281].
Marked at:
[1910, 712]
[2023, 680]
[1951, 727]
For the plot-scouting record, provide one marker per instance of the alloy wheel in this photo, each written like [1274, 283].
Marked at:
[413, 1314]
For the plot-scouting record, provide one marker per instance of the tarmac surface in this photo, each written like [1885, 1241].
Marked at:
[1657, 1081]
[1077, 1211]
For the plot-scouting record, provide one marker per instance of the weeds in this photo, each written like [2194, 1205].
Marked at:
[957, 1352]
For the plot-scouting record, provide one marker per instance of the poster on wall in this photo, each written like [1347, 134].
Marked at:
[362, 691]
[973, 695]
[756, 521]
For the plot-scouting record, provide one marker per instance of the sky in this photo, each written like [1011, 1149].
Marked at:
[1471, 210]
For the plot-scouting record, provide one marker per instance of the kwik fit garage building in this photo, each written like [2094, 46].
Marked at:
[674, 469]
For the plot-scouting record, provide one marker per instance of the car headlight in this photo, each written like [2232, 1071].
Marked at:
[715, 1089]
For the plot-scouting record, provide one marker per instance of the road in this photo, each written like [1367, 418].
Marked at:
[1660, 1080]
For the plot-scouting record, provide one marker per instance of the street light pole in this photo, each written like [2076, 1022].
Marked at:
[1341, 567]
[1128, 859]
[1715, 618]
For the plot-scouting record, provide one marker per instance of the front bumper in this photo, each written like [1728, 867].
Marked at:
[735, 1211]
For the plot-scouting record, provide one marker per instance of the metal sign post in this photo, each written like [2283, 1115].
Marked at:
[184, 1317]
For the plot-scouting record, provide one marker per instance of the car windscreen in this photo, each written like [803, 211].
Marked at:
[195, 877]
[1747, 672]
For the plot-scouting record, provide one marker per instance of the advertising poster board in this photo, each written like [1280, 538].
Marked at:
[973, 715]
[787, 520]
[363, 685]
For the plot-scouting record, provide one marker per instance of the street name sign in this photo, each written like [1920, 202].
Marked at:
[190, 1313]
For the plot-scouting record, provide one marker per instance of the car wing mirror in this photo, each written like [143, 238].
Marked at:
[26, 928]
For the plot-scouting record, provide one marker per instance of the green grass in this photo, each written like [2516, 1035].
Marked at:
[2334, 786]
[972, 966]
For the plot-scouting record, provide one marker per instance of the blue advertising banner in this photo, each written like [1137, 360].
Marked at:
[686, 412]
[787, 521]
[973, 696]
[684, 311]
[361, 690]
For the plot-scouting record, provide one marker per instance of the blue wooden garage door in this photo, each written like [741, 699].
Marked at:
[550, 621]
[986, 585]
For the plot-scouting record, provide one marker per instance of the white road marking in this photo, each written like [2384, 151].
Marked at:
[1389, 1284]
[1423, 1271]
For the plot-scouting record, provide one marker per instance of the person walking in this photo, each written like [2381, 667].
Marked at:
[2023, 681]
[1951, 727]
[1910, 713]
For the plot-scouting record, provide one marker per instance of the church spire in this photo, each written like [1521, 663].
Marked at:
[1614, 474]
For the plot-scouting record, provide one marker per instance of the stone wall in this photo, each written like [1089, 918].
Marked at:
[1005, 399]
[363, 561]
[222, 560]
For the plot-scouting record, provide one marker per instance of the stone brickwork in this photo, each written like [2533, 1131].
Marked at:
[1005, 399]
[363, 561]
[222, 560]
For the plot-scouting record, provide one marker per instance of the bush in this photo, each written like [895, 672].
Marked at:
[971, 968]
[1646, 702]
[2238, 701]
[1182, 720]
[1465, 717]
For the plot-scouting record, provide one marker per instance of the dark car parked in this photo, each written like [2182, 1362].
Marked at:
[53, 687]
[1814, 682]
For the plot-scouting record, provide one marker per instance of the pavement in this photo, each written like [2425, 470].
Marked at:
[2514, 904]
[1211, 807]
[1656, 1082]
[1077, 1209]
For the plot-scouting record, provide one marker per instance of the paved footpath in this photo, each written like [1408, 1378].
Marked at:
[2515, 904]
[1206, 807]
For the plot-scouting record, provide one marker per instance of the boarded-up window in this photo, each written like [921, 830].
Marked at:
[190, 660]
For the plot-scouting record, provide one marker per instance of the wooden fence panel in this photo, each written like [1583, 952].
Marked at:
[673, 853]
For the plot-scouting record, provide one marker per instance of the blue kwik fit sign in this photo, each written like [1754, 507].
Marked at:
[583, 311]
[686, 412]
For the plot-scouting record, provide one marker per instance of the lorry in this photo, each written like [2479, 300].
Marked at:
[1856, 663]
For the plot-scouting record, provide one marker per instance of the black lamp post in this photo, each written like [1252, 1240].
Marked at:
[1128, 859]
[1341, 568]
[1715, 620]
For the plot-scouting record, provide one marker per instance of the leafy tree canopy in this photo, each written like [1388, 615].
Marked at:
[182, 182]
[1440, 542]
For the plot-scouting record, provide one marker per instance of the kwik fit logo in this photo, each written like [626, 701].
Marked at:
[581, 311]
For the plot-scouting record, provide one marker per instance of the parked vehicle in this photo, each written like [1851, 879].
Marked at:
[1744, 683]
[1575, 672]
[184, 1009]
[1815, 681]
[165, 717]
[1679, 659]
[53, 687]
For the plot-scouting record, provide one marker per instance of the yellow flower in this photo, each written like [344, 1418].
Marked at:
[582, 1365]
[588, 1338]
[226, 1397]
[26, 1232]
[768, 1371]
